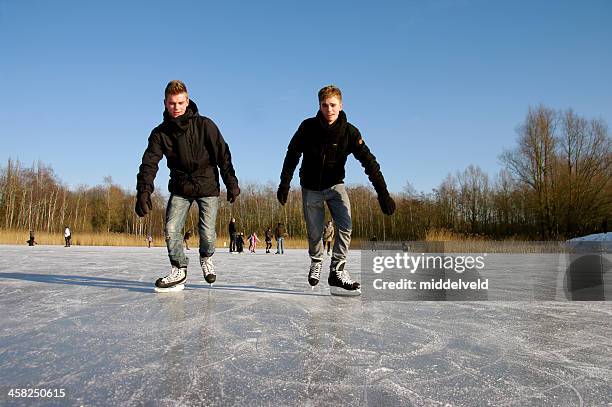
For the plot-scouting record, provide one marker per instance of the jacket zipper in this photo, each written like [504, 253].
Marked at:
[190, 145]
[322, 170]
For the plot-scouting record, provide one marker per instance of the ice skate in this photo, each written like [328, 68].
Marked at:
[341, 283]
[314, 275]
[175, 281]
[208, 269]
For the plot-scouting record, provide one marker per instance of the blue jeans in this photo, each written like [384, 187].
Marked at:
[176, 214]
[280, 245]
[313, 203]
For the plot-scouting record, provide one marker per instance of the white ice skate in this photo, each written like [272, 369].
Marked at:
[175, 281]
[208, 269]
[314, 274]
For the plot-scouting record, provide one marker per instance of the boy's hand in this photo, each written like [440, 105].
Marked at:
[387, 204]
[232, 194]
[143, 203]
[282, 194]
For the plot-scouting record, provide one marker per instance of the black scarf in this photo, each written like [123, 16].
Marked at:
[180, 123]
[337, 128]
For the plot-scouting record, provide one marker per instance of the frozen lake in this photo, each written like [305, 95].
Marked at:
[86, 320]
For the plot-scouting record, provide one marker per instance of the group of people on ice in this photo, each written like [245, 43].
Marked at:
[197, 155]
[237, 238]
[67, 238]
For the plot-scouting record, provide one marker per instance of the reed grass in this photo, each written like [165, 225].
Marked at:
[19, 237]
[453, 242]
[457, 243]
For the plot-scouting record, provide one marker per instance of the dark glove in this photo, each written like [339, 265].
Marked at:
[387, 204]
[143, 203]
[232, 193]
[282, 194]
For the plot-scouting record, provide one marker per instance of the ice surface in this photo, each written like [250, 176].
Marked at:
[597, 237]
[87, 320]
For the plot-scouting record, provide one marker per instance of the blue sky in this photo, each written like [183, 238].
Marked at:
[433, 85]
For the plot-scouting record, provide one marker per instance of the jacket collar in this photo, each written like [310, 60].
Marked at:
[182, 121]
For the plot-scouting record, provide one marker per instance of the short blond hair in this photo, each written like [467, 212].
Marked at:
[330, 91]
[175, 87]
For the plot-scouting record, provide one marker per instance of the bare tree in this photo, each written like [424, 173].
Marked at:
[533, 161]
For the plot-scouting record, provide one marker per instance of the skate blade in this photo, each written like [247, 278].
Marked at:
[341, 292]
[176, 288]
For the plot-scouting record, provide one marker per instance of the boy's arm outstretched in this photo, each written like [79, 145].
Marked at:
[146, 175]
[223, 158]
[292, 158]
[372, 170]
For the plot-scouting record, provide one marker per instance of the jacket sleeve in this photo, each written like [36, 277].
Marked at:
[292, 158]
[223, 156]
[368, 161]
[150, 164]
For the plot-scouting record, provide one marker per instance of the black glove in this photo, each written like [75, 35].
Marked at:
[282, 194]
[143, 203]
[387, 204]
[232, 193]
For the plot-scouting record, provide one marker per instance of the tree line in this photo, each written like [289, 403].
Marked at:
[555, 184]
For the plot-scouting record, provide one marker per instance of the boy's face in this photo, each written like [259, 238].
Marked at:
[330, 108]
[176, 105]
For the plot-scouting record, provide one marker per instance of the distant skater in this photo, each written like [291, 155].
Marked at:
[253, 239]
[239, 242]
[31, 241]
[67, 236]
[279, 235]
[197, 156]
[268, 238]
[328, 237]
[149, 240]
[186, 238]
[231, 228]
[326, 141]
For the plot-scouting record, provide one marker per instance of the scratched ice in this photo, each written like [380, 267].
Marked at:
[86, 320]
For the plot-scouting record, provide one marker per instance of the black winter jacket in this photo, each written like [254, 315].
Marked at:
[325, 149]
[279, 232]
[195, 152]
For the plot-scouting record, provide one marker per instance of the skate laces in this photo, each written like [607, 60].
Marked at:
[175, 275]
[207, 265]
[345, 277]
[315, 269]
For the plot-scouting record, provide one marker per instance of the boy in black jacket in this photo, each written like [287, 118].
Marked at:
[196, 155]
[326, 141]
